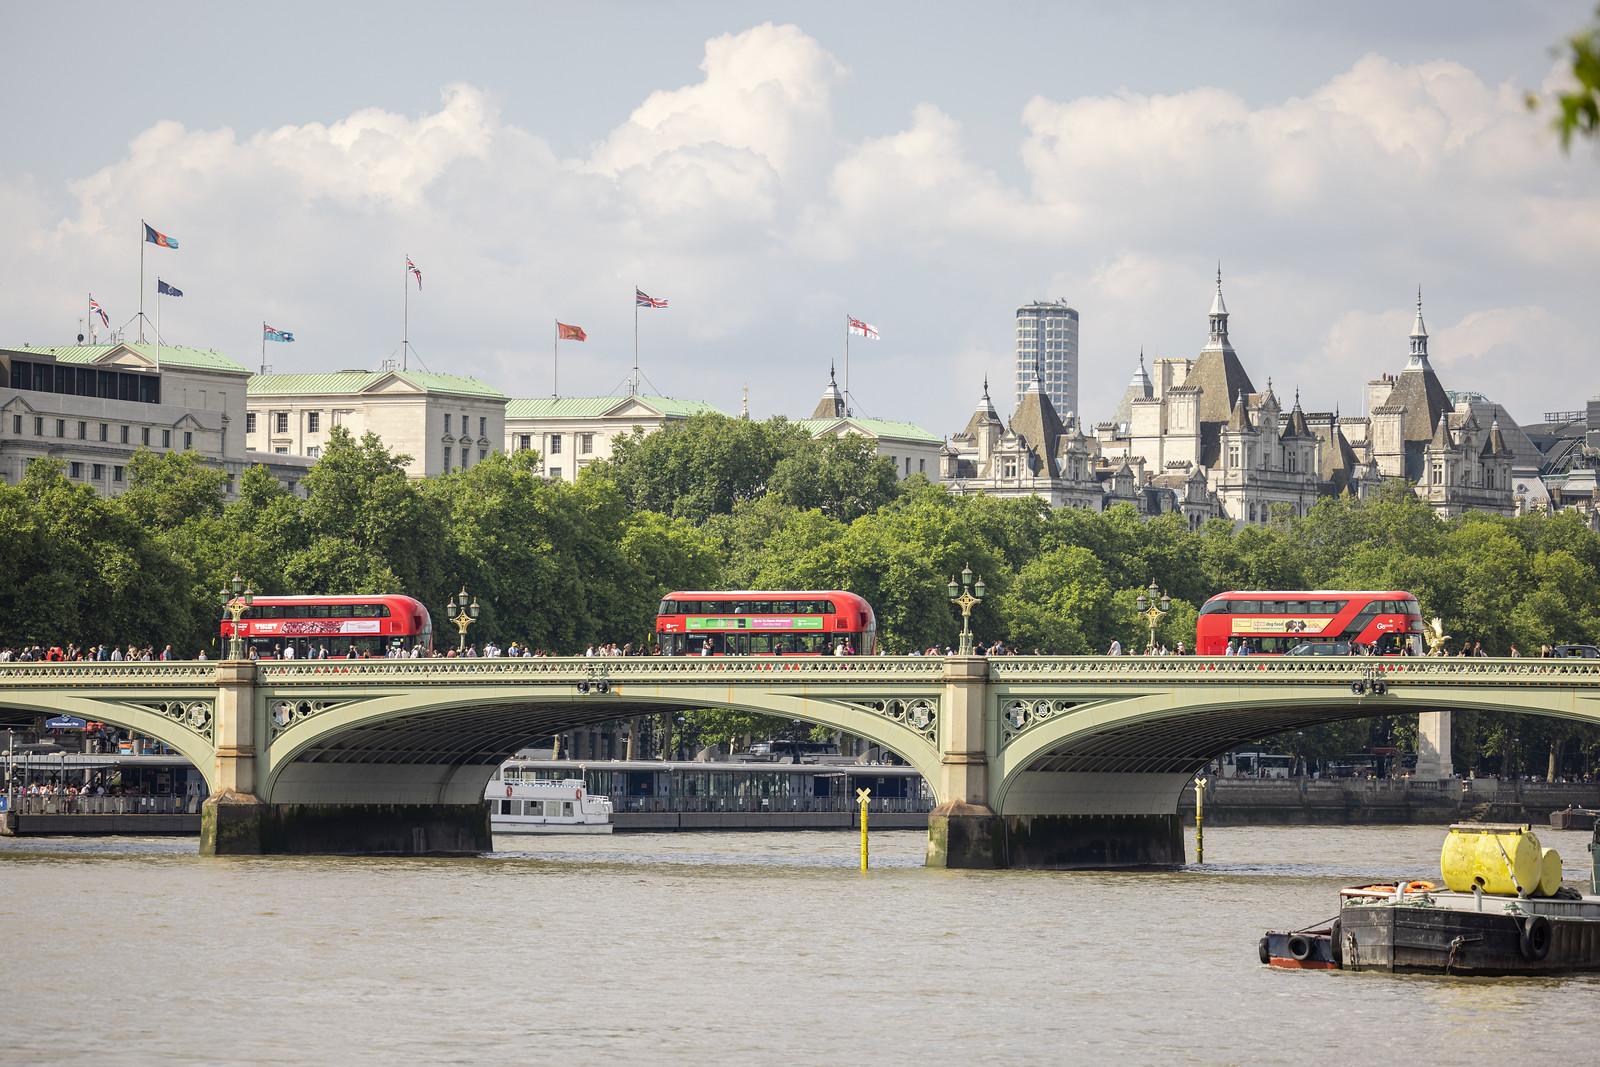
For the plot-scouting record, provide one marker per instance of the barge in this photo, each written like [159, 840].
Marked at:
[1501, 911]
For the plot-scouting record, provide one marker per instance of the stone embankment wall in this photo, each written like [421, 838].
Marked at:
[1346, 801]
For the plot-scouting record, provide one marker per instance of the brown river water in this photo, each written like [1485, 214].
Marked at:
[750, 948]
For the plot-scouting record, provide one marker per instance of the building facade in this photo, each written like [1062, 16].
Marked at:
[1047, 350]
[910, 448]
[569, 433]
[443, 422]
[93, 406]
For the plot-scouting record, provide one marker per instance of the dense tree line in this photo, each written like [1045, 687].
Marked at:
[715, 502]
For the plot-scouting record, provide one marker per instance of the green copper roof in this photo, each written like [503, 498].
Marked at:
[353, 382]
[879, 428]
[592, 407]
[167, 355]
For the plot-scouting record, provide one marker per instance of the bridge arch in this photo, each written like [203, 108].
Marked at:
[1165, 731]
[445, 750]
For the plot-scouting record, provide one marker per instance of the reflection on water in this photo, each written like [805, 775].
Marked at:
[711, 947]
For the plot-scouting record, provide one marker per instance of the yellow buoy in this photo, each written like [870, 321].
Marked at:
[1549, 872]
[1501, 859]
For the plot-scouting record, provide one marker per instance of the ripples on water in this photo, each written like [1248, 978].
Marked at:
[730, 947]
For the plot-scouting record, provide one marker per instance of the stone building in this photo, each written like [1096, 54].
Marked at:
[444, 422]
[910, 448]
[571, 432]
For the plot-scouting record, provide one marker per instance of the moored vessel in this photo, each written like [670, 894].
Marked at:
[1501, 911]
[545, 806]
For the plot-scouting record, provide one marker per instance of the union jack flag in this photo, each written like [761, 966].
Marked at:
[641, 299]
[96, 309]
[414, 269]
[865, 329]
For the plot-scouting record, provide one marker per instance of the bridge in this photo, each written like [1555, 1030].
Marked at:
[1033, 761]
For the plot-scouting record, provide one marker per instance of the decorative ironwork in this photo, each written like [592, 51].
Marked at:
[198, 716]
[1017, 715]
[123, 675]
[503, 670]
[920, 715]
[282, 714]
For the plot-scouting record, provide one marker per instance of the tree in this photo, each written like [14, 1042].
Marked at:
[1060, 604]
[700, 466]
[842, 476]
[1578, 106]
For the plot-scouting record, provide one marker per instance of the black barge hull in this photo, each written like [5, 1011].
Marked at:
[1419, 939]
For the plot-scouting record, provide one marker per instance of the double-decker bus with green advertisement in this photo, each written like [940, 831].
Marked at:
[765, 623]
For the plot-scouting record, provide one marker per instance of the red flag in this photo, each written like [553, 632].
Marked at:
[570, 333]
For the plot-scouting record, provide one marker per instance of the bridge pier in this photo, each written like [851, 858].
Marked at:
[964, 831]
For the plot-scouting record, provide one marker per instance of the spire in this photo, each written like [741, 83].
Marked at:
[986, 387]
[1218, 316]
[831, 406]
[1496, 444]
[1298, 426]
[1441, 435]
[1419, 339]
[1240, 418]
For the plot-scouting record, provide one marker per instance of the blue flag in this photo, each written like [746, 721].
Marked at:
[166, 290]
[276, 335]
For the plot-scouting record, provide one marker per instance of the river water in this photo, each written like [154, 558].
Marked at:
[719, 947]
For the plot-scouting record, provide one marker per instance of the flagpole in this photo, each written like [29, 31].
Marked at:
[405, 318]
[847, 365]
[633, 386]
[263, 346]
[141, 279]
[555, 362]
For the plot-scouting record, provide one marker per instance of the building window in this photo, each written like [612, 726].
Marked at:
[1008, 467]
[83, 431]
[525, 441]
[249, 422]
[38, 426]
[447, 454]
[483, 426]
[314, 451]
[555, 472]
[116, 474]
[104, 431]
[124, 434]
[447, 423]
[188, 440]
[144, 435]
[908, 466]
[75, 470]
[280, 422]
[313, 421]
[483, 454]
[166, 438]
[281, 450]
[61, 427]
[99, 472]
[463, 457]
[16, 424]
[922, 465]
[586, 443]
[555, 444]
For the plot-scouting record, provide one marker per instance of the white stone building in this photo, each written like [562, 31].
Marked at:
[910, 448]
[444, 422]
[571, 432]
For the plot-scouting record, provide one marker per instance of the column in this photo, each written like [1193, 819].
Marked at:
[1433, 746]
[231, 819]
[963, 831]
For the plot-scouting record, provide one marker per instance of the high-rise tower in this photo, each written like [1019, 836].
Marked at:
[1047, 350]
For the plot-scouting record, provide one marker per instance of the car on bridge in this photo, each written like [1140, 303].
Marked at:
[1575, 652]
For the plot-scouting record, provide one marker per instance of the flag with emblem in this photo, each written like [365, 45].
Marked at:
[163, 289]
[570, 333]
[159, 239]
[865, 329]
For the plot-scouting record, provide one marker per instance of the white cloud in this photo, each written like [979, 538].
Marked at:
[734, 196]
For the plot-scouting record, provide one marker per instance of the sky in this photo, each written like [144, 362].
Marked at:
[771, 168]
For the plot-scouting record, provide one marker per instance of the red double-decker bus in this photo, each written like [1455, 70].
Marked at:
[1329, 622]
[335, 626]
[765, 623]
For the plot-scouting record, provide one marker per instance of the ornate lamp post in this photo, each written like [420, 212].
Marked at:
[1152, 605]
[463, 614]
[236, 600]
[968, 596]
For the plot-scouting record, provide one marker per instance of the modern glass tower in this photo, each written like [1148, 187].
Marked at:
[1047, 349]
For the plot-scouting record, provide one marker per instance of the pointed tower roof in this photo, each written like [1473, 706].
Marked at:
[1419, 339]
[1441, 435]
[1297, 421]
[1496, 443]
[1139, 388]
[831, 406]
[983, 416]
[1239, 418]
[1417, 388]
[1037, 423]
[1217, 373]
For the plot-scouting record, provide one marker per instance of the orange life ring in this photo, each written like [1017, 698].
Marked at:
[508, 790]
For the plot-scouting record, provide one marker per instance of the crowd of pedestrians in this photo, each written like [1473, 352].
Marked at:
[71, 653]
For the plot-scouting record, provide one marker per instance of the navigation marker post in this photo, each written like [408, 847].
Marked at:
[862, 796]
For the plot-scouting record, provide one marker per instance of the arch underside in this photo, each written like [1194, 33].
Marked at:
[126, 711]
[460, 744]
[1183, 741]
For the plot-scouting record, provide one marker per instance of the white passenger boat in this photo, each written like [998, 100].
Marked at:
[544, 806]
